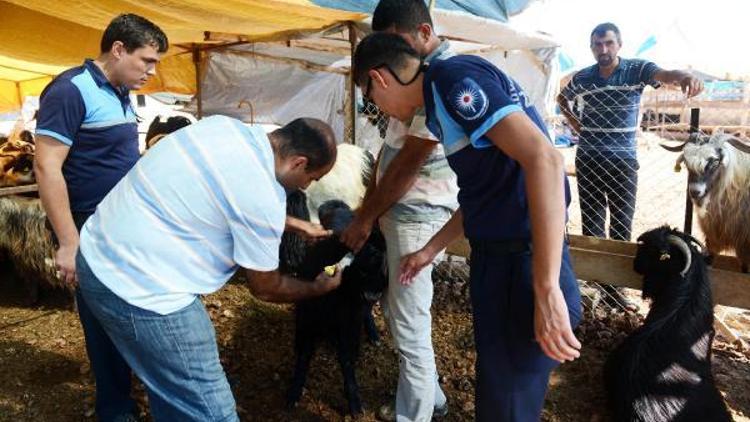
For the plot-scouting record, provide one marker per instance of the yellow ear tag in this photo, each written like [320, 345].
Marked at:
[330, 270]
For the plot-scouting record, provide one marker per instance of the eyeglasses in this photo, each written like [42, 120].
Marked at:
[366, 94]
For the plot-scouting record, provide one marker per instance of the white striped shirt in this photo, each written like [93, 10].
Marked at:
[202, 203]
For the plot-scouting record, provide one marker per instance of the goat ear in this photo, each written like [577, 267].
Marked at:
[742, 146]
[678, 163]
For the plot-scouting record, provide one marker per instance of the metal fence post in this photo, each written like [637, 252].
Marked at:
[695, 115]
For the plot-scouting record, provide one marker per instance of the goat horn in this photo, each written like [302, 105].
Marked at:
[678, 148]
[735, 142]
[684, 248]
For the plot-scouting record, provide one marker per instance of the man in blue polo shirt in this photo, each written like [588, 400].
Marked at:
[87, 140]
[512, 195]
[606, 101]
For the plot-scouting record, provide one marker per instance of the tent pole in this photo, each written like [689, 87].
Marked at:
[351, 115]
[198, 89]
[18, 92]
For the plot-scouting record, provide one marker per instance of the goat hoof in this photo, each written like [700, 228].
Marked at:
[355, 409]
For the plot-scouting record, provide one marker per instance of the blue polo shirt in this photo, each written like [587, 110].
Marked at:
[465, 96]
[81, 109]
[607, 109]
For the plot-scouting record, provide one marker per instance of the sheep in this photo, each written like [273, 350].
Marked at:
[342, 182]
[718, 180]
[338, 315]
[28, 244]
[662, 371]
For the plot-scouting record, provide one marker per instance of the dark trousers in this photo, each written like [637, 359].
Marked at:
[512, 371]
[607, 183]
[111, 372]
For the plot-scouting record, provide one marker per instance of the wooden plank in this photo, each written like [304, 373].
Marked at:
[18, 189]
[611, 262]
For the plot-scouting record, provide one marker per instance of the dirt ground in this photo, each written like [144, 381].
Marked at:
[45, 377]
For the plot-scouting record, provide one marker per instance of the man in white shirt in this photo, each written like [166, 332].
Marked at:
[205, 201]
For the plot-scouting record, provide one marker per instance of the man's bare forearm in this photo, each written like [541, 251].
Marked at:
[279, 288]
[398, 178]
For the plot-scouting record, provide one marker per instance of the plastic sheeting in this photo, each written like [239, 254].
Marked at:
[492, 9]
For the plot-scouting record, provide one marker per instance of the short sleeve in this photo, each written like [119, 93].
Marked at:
[568, 92]
[61, 112]
[476, 96]
[647, 73]
[257, 239]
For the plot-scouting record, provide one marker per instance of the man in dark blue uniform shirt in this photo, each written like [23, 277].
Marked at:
[87, 140]
[513, 194]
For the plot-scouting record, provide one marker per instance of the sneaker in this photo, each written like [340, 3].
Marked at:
[387, 412]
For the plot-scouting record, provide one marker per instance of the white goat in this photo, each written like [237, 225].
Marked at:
[719, 186]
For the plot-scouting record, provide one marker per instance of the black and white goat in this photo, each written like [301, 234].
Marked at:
[337, 316]
[662, 371]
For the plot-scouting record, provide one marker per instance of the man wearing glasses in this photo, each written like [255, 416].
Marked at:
[513, 194]
[414, 196]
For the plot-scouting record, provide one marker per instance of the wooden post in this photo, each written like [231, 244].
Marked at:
[432, 5]
[350, 110]
[695, 114]
[198, 88]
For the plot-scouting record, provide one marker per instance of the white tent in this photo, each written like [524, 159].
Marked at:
[277, 82]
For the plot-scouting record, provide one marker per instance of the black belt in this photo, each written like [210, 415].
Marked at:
[502, 246]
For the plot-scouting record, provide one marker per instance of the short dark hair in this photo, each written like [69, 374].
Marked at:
[379, 49]
[404, 15]
[602, 28]
[310, 138]
[134, 32]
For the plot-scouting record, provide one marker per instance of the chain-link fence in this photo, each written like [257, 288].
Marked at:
[622, 182]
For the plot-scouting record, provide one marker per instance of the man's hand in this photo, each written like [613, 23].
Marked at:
[355, 236]
[312, 232]
[412, 264]
[65, 263]
[691, 86]
[552, 326]
[327, 283]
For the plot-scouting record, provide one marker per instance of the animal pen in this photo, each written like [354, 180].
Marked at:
[661, 199]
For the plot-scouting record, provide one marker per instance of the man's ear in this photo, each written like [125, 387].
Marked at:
[118, 49]
[425, 31]
[377, 78]
[299, 162]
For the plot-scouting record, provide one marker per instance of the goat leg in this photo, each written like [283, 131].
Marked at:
[351, 388]
[304, 351]
[370, 329]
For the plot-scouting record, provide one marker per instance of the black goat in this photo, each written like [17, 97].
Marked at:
[337, 316]
[662, 371]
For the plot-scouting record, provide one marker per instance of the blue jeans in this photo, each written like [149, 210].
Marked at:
[512, 371]
[174, 355]
[111, 372]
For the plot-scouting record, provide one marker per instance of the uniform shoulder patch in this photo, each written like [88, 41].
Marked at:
[468, 99]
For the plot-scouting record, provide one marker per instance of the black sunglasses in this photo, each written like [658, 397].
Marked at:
[366, 93]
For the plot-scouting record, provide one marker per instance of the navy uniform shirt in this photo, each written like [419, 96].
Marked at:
[81, 109]
[607, 109]
[465, 96]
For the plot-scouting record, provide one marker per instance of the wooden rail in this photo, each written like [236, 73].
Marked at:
[18, 189]
[611, 262]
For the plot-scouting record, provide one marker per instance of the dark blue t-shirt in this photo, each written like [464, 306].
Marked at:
[607, 109]
[465, 96]
[81, 109]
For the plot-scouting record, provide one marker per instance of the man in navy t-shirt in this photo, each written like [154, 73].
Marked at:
[606, 101]
[513, 194]
[87, 140]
